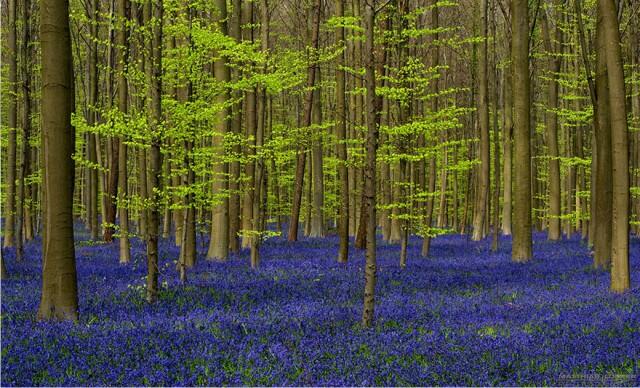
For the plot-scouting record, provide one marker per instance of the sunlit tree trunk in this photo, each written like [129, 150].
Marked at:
[522, 245]
[619, 147]
[317, 215]
[235, 128]
[250, 132]
[602, 151]
[431, 186]
[12, 123]
[260, 178]
[341, 147]
[59, 298]
[370, 166]
[123, 104]
[554, 49]
[219, 242]
[153, 13]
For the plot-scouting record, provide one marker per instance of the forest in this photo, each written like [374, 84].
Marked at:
[320, 192]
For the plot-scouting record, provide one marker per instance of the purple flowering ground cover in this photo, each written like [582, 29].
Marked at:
[463, 317]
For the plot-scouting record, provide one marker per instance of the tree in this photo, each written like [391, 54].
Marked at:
[12, 124]
[92, 115]
[308, 109]
[619, 148]
[554, 49]
[521, 249]
[59, 299]
[25, 162]
[431, 186]
[219, 242]
[370, 271]
[482, 197]
[603, 201]
[153, 15]
[341, 147]
[122, 54]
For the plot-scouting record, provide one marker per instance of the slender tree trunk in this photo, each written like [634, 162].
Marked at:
[260, 178]
[250, 132]
[554, 49]
[188, 246]
[92, 145]
[619, 148]
[301, 160]
[123, 103]
[341, 147]
[26, 128]
[154, 9]
[317, 216]
[483, 120]
[507, 133]
[219, 242]
[236, 128]
[496, 141]
[522, 245]
[12, 124]
[370, 167]
[59, 298]
[431, 188]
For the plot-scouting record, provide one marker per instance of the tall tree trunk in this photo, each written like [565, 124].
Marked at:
[301, 159]
[619, 148]
[634, 47]
[236, 128]
[12, 124]
[341, 147]
[219, 242]
[188, 249]
[522, 245]
[603, 179]
[250, 133]
[259, 201]
[370, 166]
[92, 114]
[496, 139]
[431, 187]
[507, 133]
[153, 14]
[317, 216]
[112, 142]
[26, 129]
[482, 196]
[59, 298]
[123, 103]
[554, 50]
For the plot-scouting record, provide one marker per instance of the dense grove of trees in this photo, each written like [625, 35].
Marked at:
[237, 119]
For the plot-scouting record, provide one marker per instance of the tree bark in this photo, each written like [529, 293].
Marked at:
[12, 124]
[522, 245]
[236, 128]
[431, 186]
[154, 9]
[554, 49]
[341, 147]
[219, 242]
[25, 161]
[479, 218]
[370, 166]
[619, 148]
[59, 298]
[301, 159]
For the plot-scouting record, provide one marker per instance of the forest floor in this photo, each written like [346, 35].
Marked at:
[463, 317]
